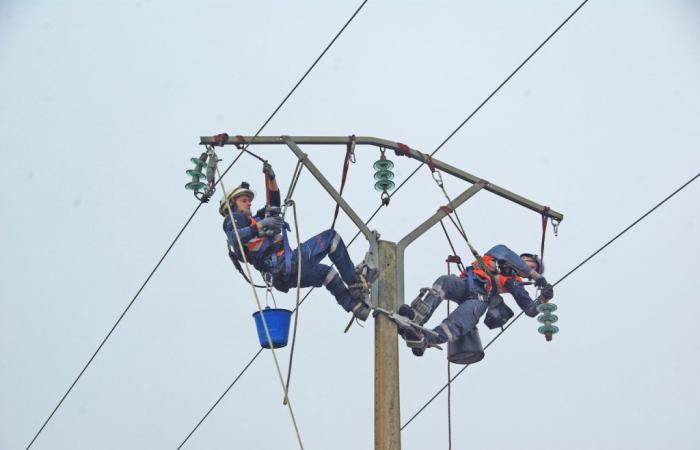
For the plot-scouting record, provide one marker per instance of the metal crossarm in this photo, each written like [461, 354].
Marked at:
[384, 143]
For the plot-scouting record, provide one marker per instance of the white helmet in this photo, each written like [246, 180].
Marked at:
[243, 189]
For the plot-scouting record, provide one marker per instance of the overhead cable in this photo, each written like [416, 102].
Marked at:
[464, 122]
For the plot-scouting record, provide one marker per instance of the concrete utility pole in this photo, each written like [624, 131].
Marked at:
[388, 257]
[387, 411]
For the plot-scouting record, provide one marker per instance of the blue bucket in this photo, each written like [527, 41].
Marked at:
[277, 320]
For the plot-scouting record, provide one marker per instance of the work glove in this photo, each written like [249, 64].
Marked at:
[547, 292]
[267, 170]
[272, 225]
[273, 210]
[541, 282]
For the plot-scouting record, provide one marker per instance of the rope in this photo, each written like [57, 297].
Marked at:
[556, 283]
[298, 290]
[262, 316]
[449, 369]
[545, 219]
[343, 178]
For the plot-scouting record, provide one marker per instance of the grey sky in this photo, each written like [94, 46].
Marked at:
[102, 106]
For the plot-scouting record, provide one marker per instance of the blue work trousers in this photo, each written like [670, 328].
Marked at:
[464, 318]
[313, 273]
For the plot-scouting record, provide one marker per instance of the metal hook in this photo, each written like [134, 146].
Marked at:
[437, 176]
[555, 226]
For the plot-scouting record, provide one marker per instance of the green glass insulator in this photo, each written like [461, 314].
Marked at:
[383, 164]
[195, 185]
[198, 162]
[548, 329]
[542, 318]
[384, 175]
[194, 173]
[384, 185]
[546, 307]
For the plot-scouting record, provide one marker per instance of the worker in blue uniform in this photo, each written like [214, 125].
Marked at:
[476, 291]
[263, 236]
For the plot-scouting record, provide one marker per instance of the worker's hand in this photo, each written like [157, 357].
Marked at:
[272, 225]
[267, 170]
[547, 292]
[540, 282]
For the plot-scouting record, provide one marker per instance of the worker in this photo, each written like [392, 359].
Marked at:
[267, 249]
[476, 291]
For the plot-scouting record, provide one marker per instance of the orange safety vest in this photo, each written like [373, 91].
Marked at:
[491, 263]
[254, 244]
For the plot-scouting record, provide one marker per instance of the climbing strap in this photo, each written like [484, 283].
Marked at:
[234, 259]
[349, 157]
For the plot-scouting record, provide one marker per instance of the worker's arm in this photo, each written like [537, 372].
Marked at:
[522, 298]
[273, 191]
[245, 231]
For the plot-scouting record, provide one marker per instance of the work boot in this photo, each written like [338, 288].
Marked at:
[414, 339]
[366, 274]
[360, 311]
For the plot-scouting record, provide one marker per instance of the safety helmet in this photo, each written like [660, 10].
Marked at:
[243, 189]
[538, 261]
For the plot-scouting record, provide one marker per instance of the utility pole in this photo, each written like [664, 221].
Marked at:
[389, 259]
[387, 411]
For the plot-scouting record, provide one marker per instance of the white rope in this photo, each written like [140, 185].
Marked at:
[287, 201]
[262, 316]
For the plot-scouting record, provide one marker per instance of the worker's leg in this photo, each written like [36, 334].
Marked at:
[460, 321]
[447, 287]
[329, 243]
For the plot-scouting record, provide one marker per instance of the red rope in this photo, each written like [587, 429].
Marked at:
[545, 218]
[240, 140]
[220, 139]
[346, 166]
[429, 160]
[403, 150]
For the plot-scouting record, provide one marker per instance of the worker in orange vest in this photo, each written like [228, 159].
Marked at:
[476, 291]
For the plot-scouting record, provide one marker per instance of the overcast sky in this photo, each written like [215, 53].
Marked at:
[102, 105]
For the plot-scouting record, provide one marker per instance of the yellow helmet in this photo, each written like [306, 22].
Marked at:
[243, 189]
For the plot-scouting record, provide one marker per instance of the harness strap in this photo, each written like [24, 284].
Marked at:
[237, 265]
[288, 251]
[240, 140]
[220, 139]
[405, 150]
[545, 218]
[346, 165]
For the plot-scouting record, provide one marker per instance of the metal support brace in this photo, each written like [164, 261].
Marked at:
[303, 157]
[425, 226]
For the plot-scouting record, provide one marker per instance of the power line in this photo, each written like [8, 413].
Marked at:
[464, 122]
[376, 211]
[267, 121]
[558, 281]
[114, 326]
